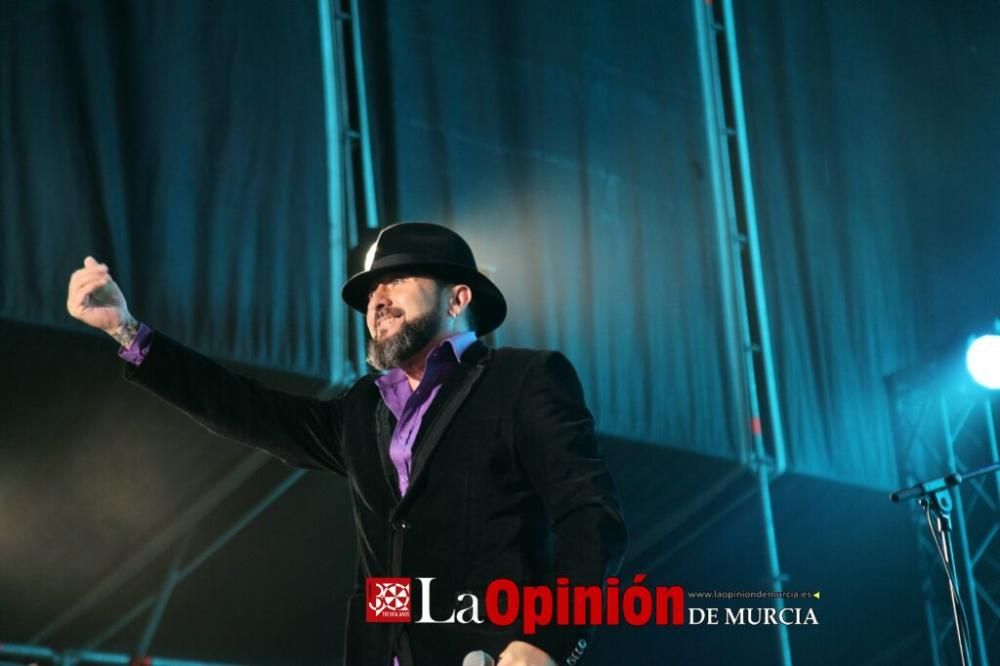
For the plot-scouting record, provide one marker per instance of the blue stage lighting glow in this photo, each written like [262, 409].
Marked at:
[983, 360]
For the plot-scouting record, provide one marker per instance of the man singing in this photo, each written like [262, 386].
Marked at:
[465, 464]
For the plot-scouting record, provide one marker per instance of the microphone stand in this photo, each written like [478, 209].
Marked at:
[935, 498]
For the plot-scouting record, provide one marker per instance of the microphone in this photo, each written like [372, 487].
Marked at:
[478, 658]
[927, 488]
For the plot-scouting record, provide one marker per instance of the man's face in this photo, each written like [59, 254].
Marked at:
[405, 313]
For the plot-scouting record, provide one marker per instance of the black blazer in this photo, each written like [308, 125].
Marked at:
[507, 482]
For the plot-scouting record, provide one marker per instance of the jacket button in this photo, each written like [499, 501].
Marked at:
[400, 525]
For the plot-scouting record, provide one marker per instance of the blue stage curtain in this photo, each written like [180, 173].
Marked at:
[182, 143]
[569, 147]
[567, 141]
[873, 132]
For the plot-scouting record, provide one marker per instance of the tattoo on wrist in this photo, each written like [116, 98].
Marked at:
[126, 332]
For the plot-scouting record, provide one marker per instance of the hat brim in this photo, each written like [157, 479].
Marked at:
[488, 302]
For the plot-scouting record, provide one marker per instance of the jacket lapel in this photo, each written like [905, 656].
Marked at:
[385, 424]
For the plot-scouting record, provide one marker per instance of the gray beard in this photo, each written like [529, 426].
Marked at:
[400, 347]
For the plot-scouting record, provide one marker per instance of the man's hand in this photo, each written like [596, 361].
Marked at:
[96, 300]
[519, 653]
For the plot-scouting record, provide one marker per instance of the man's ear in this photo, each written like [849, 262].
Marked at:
[459, 299]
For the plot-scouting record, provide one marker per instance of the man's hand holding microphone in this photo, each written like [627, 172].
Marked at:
[517, 653]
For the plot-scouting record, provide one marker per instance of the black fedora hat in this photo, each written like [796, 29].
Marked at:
[434, 250]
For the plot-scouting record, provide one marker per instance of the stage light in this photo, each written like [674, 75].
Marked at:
[983, 361]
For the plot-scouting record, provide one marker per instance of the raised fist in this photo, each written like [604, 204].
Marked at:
[95, 299]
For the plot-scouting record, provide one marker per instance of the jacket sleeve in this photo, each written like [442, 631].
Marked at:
[302, 432]
[556, 442]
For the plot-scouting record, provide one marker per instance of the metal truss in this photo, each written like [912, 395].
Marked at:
[746, 323]
[945, 423]
[352, 195]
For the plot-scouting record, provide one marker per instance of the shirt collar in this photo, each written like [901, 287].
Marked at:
[458, 344]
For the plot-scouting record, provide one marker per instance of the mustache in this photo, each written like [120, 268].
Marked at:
[387, 312]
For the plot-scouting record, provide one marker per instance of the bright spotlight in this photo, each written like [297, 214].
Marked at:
[983, 360]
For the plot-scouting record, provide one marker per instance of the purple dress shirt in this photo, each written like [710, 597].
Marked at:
[409, 405]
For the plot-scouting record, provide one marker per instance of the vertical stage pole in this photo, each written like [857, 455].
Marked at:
[743, 282]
